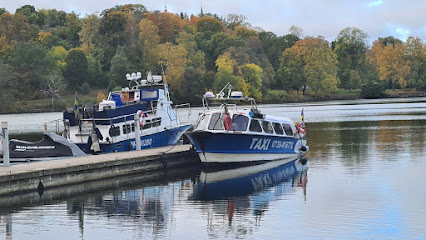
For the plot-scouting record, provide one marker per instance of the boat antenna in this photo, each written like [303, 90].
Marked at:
[221, 93]
[166, 87]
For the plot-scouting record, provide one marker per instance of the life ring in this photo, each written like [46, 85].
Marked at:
[301, 130]
[227, 122]
[125, 96]
[141, 118]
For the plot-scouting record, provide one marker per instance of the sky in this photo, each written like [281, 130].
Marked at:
[378, 18]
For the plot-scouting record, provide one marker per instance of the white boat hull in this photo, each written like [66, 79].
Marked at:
[208, 157]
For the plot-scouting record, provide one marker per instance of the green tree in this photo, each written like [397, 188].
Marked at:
[32, 63]
[120, 66]
[30, 12]
[274, 46]
[8, 86]
[350, 47]
[208, 26]
[2, 10]
[76, 69]
[111, 30]
[290, 74]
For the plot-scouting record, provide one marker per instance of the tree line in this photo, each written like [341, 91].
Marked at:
[46, 52]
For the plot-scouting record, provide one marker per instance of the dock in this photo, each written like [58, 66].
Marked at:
[38, 176]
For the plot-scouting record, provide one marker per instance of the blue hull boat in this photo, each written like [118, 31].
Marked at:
[144, 110]
[230, 135]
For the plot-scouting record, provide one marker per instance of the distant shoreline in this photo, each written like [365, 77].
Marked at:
[389, 94]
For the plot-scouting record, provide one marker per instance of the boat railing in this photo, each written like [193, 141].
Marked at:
[86, 124]
[183, 113]
[56, 126]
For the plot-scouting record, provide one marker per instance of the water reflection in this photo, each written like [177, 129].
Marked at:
[234, 200]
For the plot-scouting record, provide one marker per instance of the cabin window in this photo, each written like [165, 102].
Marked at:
[216, 122]
[156, 122]
[128, 128]
[287, 129]
[239, 122]
[147, 124]
[255, 126]
[267, 127]
[202, 122]
[114, 131]
[278, 129]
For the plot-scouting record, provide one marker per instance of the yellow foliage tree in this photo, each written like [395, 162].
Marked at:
[100, 97]
[173, 57]
[149, 41]
[391, 63]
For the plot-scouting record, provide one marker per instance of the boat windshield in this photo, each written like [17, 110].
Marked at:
[202, 122]
[239, 122]
[216, 122]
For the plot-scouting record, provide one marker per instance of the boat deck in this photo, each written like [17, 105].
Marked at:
[35, 176]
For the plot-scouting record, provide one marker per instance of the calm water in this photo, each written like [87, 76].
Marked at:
[363, 180]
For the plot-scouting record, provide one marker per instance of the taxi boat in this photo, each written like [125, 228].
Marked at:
[232, 135]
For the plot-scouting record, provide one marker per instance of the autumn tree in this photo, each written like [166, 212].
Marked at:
[174, 59]
[244, 32]
[226, 66]
[169, 25]
[192, 85]
[89, 33]
[319, 64]
[233, 21]
[13, 30]
[252, 75]
[149, 42]
[416, 55]
[391, 63]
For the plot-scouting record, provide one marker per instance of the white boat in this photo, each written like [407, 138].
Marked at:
[230, 135]
[111, 126]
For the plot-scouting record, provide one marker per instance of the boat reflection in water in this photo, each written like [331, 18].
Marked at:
[230, 196]
[276, 177]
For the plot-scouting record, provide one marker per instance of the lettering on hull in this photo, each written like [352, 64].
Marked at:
[144, 143]
[266, 143]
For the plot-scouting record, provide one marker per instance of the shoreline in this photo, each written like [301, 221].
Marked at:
[306, 98]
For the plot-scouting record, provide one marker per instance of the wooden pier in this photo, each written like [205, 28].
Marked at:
[37, 176]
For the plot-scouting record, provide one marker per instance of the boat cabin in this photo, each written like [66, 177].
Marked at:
[245, 121]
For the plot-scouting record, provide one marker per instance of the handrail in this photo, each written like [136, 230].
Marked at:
[183, 118]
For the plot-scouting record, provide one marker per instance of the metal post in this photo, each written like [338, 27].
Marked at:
[6, 160]
[138, 131]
